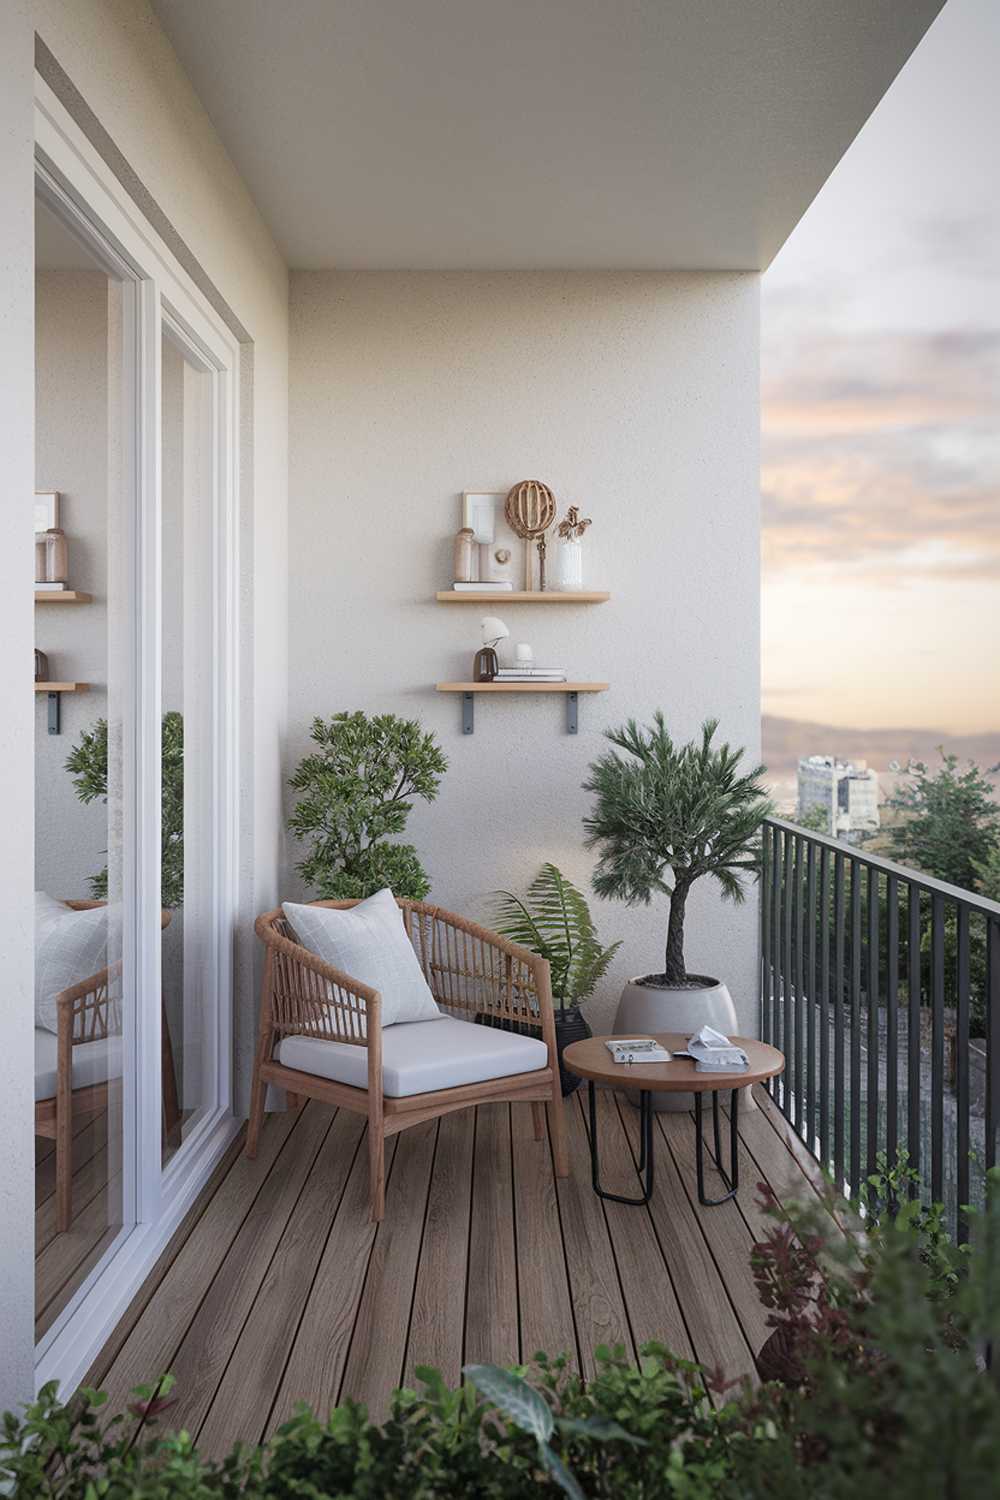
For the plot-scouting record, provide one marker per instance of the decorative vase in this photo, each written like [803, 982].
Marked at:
[465, 556]
[648, 1008]
[56, 556]
[570, 1027]
[569, 565]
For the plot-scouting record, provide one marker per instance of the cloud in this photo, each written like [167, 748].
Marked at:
[881, 451]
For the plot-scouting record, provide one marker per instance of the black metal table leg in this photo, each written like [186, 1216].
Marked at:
[645, 1149]
[732, 1182]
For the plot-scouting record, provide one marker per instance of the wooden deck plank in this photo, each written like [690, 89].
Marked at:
[775, 1162]
[546, 1313]
[378, 1348]
[148, 1350]
[597, 1302]
[69, 1257]
[91, 1138]
[315, 1368]
[95, 1376]
[437, 1319]
[242, 1403]
[653, 1309]
[491, 1301]
[88, 1180]
[205, 1348]
[725, 1229]
[717, 1337]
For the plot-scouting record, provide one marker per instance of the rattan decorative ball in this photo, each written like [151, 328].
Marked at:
[530, 509]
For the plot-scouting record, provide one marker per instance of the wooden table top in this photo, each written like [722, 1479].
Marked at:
[591, 1059]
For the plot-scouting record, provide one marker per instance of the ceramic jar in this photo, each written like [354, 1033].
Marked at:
[569, 565]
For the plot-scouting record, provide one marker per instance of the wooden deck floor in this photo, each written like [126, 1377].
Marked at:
[279, 1290]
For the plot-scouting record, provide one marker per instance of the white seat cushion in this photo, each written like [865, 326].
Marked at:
[368, 942]
[93, 1062]
[420, 1057]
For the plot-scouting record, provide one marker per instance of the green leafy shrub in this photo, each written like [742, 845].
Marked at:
[87, 762]
[555, 922]
[354, 793]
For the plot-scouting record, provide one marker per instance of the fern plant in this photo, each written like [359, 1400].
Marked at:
[555, 922]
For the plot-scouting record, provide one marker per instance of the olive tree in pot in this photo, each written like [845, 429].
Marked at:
[664, 817]
[555, 922]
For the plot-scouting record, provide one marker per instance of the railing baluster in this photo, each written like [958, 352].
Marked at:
[915, 987]
[839, 998]
[786, 993]
[765, 933]
[855, 1100]
[874, 1040]
[809, 1000]
[892, 1018]
[992, 1039]
[797, 1085]
[937, 1048]
[821, 946]
[961, 1227]
[824, 1011]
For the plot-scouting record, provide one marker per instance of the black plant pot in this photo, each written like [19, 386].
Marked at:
[570, 1027]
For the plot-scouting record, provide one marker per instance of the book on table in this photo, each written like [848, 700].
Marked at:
[637, 1049]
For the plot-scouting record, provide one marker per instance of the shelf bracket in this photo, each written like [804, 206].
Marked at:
[572, 713]
[468, 713]
[55, 713]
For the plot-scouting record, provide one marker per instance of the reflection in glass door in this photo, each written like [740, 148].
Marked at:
[84, 1036]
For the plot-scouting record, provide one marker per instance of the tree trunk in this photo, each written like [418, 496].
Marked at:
[674, 971]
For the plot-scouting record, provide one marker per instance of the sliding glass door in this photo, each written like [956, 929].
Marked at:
[136, 766]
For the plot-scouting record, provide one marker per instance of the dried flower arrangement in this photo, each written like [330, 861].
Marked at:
[571, 525]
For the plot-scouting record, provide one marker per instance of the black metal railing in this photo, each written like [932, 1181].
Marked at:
[882, 988]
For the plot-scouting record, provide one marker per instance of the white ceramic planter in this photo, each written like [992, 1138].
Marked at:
[645, 1008]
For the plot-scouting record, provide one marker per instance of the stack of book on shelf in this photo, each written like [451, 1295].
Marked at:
[504, 586]
[531, 674]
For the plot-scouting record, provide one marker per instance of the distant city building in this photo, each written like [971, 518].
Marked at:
[846, 791]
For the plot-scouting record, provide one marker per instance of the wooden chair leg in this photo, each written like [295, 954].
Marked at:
[256, 1114]
[295, 1101]
[171, 1103]
[376, 1170]
[64, 1169]
[538, 1120]
[557, 1125]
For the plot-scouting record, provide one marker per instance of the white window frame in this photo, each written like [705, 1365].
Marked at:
[82, 189]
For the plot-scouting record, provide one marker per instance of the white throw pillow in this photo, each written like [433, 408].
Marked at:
[368, 942]
[69, 946]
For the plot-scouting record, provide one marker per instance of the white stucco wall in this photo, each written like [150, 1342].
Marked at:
[633, 395]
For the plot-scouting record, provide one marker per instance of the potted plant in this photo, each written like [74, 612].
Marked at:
[555, 922]
[664, 817]
[355, 789]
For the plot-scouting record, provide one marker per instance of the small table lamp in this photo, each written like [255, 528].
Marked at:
[486, 665]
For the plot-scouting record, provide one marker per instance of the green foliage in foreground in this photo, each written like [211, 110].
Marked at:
[355, 792]
[888, 1389]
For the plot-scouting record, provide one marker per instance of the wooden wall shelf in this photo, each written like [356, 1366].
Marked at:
[62, 596]
[572, 690]
[55, 691]
[518, 596]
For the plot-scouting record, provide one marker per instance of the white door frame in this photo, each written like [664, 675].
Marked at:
[78, 184]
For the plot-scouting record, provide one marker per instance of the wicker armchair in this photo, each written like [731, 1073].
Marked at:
[91, 1012]
[473, 974]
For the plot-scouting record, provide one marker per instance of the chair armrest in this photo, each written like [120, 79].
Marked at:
[311, 998]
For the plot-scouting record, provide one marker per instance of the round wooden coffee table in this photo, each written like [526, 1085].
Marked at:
[591, 1060]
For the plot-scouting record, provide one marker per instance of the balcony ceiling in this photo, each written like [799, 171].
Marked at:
[539, 134]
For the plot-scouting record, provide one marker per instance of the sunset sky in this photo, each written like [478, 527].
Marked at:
[881, 410]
